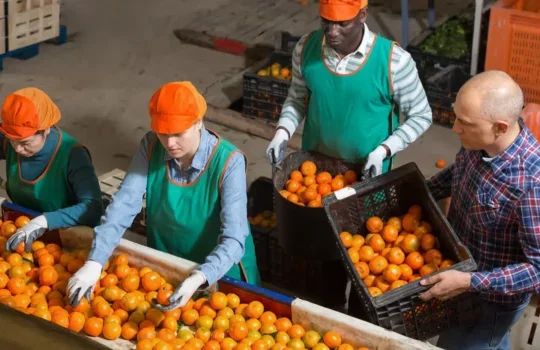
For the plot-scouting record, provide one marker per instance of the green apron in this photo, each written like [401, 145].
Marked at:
[348, 115]
[51, 191]
[184, 219]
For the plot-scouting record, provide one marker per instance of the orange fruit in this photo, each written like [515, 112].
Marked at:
[397, 284]
[218, 301]
[292, 186]
[16, 285]
[440, 163]
[410, 243]
[296, 175]
[8, 230]
[332, 339]
[392, 273]
[377, 243]
[93, 326]
[74, 265]
[414, 278]
[48, 276]
[226, 344]
[155, 316]
[366, 253]
[409, 223]
[426, 225]
[146, 333]
[268, 318]
[296, 331]
[406, 272]
[350, 177]
[357, 241]
[416, 211]
[112, 331]
[434, 257]
[168, 335]
[346, 239]
[353, 255]
[218, 335]
[131, 283]
[308, 168]
[151, 281]
[377, 265]
[259, 345]
[374, 291]
[238, 331]
[337, 184]
[415, 260]
[446, 263]
[382, 284]
[109, 280]
[295, 344]
[163, 296]
[362, 268]
[145, 344]
[255, 309]
[21, 221]
[311, 338]
[428, 269]
[324, 189]
[396, 222]
[427, 242]
[190, 316]
[283, 324]
[309, 180]
[390, 233]
[374, 224]
[396, 256]
[61, 319]
[212, 345]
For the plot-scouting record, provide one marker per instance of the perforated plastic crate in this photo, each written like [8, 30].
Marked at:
[514, 47]
[391, 195]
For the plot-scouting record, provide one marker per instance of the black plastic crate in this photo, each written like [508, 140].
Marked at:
[264, 95]
[260, 200]
[400, 310]
[441, 89]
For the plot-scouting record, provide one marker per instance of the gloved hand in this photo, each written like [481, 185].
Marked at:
[28, 234]
[83, 282]
[185, 290]
[276, 150]
[374, 162]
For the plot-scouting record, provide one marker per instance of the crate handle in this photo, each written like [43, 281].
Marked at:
[344, 193]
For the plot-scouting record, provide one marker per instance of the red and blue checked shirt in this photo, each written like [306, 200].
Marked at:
[495, 211]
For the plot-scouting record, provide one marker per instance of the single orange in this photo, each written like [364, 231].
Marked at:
[434, 257]
[397, 284]
[446, 263]
[410, 243]
[374, 291]
[409, 223]
[377, 265]
[296, 175]
[415, 260]
[428, 269]
[332, 339]
[374, 224]
[392, 273]
[308, 168]
[406, 272]
[362, 268]
[396, 256]
[366, 253]
[350, 177]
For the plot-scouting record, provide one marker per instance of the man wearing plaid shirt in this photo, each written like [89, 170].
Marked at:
[495, 210]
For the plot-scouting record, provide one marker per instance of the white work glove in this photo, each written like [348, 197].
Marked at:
[184, 292]
[83, 282]
[374, 162]
[276, 150]
[28, 234]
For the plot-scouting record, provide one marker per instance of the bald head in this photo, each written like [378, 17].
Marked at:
[497, 95]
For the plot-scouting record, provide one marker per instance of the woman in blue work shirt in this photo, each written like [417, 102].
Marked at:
[47, 169]
[196, 201]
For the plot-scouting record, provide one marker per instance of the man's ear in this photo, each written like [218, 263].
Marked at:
[500, 127]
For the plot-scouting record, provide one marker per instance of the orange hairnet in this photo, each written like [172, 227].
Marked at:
[341, 10]
[27, 111]
[175, 107]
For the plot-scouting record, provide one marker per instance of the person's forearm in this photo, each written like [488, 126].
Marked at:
[411, 98]
[125, 205]
[508, 280]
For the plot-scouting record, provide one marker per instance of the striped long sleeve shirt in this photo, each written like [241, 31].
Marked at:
[409, 93]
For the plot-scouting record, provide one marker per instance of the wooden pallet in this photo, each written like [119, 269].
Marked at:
[235, 29]
[32, 21]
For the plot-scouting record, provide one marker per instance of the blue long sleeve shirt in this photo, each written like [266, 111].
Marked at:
[127, 203]
[81, 177]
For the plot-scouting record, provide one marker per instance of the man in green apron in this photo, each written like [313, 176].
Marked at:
[196, 199]
[47, 170]
[346, 84]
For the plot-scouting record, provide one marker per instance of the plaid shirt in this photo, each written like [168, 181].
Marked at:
[495, 211]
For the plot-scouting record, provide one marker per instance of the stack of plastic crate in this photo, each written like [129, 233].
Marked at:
[31, 21]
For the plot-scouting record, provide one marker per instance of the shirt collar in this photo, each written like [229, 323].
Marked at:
[198, 162]
[513, 150]
[361, 49]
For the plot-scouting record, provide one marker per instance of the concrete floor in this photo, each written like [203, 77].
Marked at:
[122, 51]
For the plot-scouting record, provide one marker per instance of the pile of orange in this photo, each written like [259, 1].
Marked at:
[395, 252]
[306, 186]
[266, 219]
[122, 305]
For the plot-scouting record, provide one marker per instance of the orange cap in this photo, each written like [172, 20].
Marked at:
[341, 10]
[27, 111]
[175, 107]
